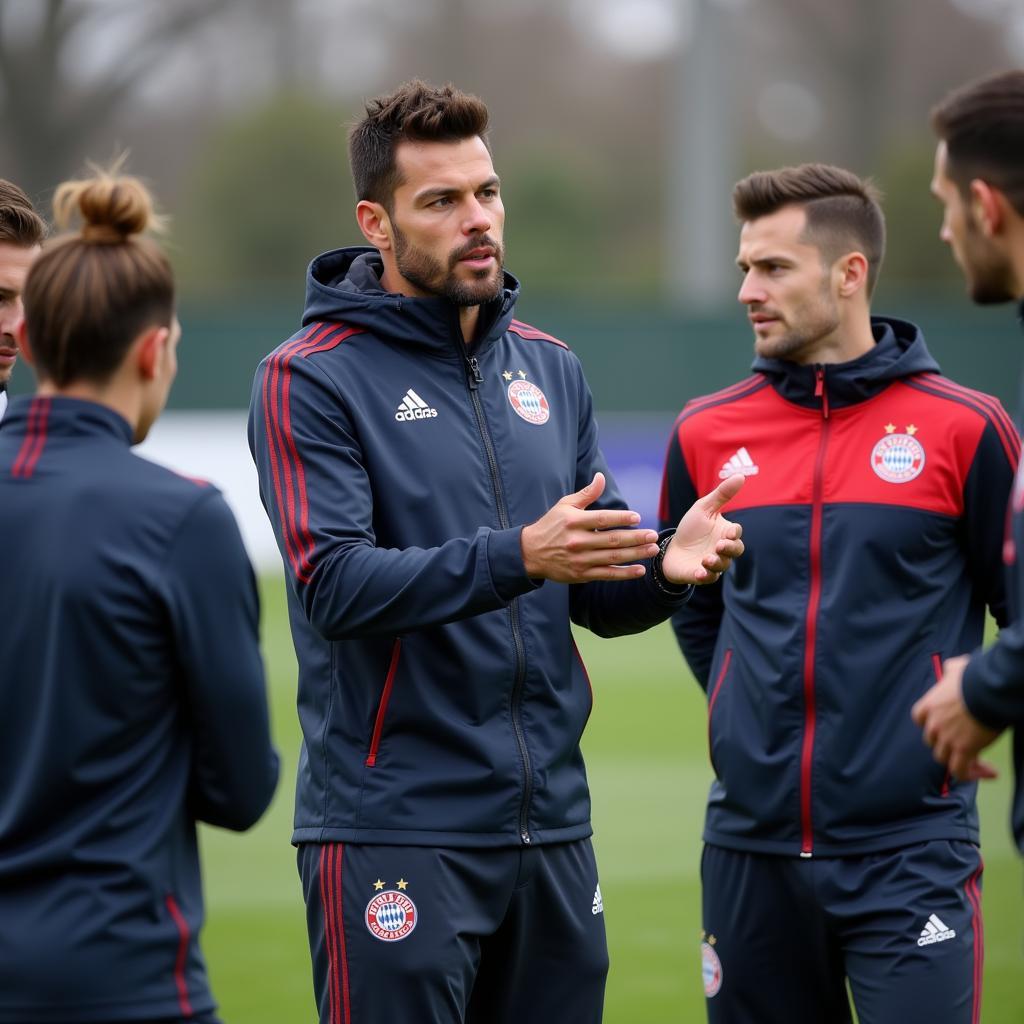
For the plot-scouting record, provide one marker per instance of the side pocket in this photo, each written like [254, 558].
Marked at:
[722, 672]
[937, 668]
[382, 707]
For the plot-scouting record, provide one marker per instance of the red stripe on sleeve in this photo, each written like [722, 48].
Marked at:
[182, 957]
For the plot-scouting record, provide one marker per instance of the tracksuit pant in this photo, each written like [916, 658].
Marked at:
[455, 936]
[784, 935]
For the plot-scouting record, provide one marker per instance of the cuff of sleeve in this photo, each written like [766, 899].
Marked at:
[977, 696]
[505, 561]
[666, 586]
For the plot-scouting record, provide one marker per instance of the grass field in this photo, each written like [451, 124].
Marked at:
[645, 749]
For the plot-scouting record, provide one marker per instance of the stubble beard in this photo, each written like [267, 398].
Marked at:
[989, 274]
[815, 324]
[430, 275]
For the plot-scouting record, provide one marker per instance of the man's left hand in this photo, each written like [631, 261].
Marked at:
[954, 734]
[705, 542]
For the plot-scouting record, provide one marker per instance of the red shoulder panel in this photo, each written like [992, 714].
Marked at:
[529, 333]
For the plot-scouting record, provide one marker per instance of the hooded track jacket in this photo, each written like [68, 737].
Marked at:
[441, 695]
[132, 704]
[993, 684]
[873, 515]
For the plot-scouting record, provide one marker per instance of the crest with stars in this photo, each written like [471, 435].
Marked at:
[898, 458]
[528, 401]
[391, 915]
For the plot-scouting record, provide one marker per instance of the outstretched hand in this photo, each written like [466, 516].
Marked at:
[571, 544]
[705, 542]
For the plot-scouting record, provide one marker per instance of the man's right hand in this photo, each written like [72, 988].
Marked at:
[569, 544]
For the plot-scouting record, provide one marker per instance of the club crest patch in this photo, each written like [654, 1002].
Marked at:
[898, 458]
[529, 401]
[391, 916]
[711, 970]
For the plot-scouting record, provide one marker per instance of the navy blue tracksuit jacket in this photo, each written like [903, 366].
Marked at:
[441, 696]
[132, 704]
[993, 683]
[873, 518]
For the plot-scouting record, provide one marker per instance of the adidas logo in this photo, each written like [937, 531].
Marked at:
[413, 407]
[741, 462]
[935, 931]
[598, 905]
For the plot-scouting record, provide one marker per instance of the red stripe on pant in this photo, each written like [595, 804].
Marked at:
[977, 924]
[331, 857]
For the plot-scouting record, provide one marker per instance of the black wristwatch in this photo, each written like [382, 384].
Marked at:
[665, 585]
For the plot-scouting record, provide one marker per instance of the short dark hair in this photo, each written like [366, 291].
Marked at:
[843, 211]
[982, 124]
[90, 293]
[19, 222]
[415, 112]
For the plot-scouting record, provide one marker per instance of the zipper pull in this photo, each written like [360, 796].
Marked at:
[819, 389]
[476, 378]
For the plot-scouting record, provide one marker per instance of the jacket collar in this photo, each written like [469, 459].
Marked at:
[344, 286]
[899, 352]
[66, 417]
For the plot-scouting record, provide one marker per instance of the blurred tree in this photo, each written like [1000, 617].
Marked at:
[272, 189]
[51, 111]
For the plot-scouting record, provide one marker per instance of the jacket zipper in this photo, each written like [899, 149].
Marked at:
[474, 379]
[811, 624]
[382, 708]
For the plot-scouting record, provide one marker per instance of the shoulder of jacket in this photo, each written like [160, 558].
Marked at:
[968, 402]
[313, 339]
[737, 392]
[528, 333]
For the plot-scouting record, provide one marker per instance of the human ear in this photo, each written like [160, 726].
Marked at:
[149, 348]
[374, 223]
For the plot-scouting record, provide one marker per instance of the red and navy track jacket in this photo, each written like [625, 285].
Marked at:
[872, 515]
[993, 684]
[132, 704]
[441, 696]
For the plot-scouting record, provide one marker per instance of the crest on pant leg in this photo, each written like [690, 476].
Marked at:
[391, 915]
[711, 967]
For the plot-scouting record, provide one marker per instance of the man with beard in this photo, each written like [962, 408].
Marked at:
[979, 179]
[836, 850]
[431, 468]
[22, 231]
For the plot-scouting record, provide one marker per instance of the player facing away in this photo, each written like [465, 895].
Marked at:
[431, 468]
[22, 231]
[132, 687]
[836, 849]
[979, 179]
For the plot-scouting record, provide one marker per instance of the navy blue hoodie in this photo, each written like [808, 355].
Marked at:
[872, 515]
[441, 695]
[132, 704]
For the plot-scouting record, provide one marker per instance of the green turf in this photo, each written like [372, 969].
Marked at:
[645, 748]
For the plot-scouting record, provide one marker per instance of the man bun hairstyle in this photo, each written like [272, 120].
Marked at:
[415, 112]
[92, 292]
[844, 212]
[19, 222]
[982, 124]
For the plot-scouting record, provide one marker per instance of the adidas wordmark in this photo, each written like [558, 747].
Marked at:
[412, 407]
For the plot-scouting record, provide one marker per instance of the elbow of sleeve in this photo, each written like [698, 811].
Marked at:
[238, 811]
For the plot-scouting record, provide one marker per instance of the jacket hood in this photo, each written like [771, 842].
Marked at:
[344, 286]
[899, 352]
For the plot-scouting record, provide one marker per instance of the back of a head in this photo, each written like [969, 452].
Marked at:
[982, 124]
[91, 293]
[843, 211]
[415, 112]
[19, 223]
